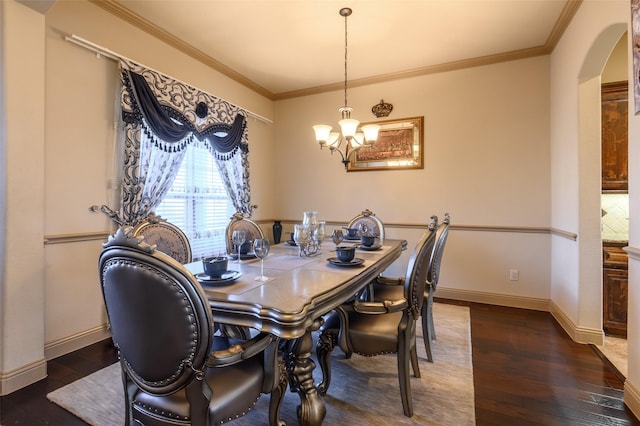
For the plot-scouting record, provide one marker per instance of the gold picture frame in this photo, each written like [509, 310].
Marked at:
[400, 145]
[635, 51]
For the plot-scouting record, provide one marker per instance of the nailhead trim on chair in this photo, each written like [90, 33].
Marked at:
[160, 412]
[375, 354]
[237, 416]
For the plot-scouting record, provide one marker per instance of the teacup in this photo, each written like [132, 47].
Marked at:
[351, 232]
[346, 254]
[367, 240]
[215, 266]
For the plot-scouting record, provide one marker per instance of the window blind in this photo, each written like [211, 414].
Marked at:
[198, 203]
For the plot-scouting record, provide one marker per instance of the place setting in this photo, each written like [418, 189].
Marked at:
[345, 254]
[216, 272]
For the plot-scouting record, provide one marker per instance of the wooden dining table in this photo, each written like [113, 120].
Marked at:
[291, 303]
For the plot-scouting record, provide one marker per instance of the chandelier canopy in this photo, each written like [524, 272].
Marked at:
[349, 137]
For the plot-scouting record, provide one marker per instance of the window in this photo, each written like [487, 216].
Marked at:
[198, 202]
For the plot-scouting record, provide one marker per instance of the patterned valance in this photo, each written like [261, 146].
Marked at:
[172, 113]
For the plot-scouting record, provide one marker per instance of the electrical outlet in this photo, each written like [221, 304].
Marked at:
[514, 275]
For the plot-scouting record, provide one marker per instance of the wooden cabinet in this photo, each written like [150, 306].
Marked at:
[614, 136]
[614, 288]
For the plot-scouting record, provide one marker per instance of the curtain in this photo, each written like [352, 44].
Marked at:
[162, 116]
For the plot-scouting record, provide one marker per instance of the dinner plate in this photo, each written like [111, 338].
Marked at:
[355, 262]
[226, 278]
[371, 248]
[246, 256]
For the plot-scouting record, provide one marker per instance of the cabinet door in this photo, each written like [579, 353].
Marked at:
[614, 287]
[614, 136]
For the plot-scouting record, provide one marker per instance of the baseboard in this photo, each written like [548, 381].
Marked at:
[494, 299]
[77, 341]
[632, 398]
[24, 376]
[578, 334]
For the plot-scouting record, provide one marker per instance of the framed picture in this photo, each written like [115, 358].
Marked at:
[399, 146]
[635, 50]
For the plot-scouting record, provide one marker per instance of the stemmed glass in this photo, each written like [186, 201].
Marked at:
[261, 249]
[238, 238]
[320, 232]
[337, 236]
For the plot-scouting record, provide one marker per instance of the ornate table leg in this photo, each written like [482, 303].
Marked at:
[311, 410]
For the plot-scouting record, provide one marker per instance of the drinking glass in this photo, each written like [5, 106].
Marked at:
[311, 220]
[261, 249]
[301, 236]
[320, 232]
[238, 238]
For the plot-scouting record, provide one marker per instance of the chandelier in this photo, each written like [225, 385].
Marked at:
[349, 138]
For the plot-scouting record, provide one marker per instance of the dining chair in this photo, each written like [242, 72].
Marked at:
[242, 223]
[174, 371]
[383, 288]
[373, 223]
[167, 237]
[371, 328]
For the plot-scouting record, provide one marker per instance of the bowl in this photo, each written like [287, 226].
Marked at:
[245, 247]
[367, 240]
[346, 254]
[351, 232]
[215, 266]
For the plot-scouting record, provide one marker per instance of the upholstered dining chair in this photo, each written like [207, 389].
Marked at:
[373, 223]
[174, 371]
[388, 288]
[167, 237]
[242, 223]
[376, 328]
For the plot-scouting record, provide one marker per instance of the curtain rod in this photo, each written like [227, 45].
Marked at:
[102, 51]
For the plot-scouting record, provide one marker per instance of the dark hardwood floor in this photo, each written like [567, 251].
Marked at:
[527, 371]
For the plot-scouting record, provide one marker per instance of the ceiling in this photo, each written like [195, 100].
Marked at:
[288, 48]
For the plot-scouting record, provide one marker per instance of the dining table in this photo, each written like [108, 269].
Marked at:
[291, 302]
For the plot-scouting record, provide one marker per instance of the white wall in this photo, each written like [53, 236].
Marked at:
[487, 162]
[58, 167]
[22, 143]
[576, 65]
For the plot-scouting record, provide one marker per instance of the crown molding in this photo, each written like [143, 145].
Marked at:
[118, 10]
[127, 15]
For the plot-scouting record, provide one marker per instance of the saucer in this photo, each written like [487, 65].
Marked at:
[337, 262]
[371, 248]
[226, 278]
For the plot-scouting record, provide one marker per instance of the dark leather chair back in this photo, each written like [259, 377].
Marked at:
[157, 311]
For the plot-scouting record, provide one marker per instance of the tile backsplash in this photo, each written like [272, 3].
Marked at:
[615, 216]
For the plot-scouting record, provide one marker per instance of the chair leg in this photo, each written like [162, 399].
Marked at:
[326, 342]
[277, 395]
[432, 327]
[403, 376]
[414, 361]
[427, 327]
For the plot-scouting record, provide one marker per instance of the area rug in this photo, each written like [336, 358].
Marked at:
[363, 390]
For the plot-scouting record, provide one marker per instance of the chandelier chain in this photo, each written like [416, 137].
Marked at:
[345, 59]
